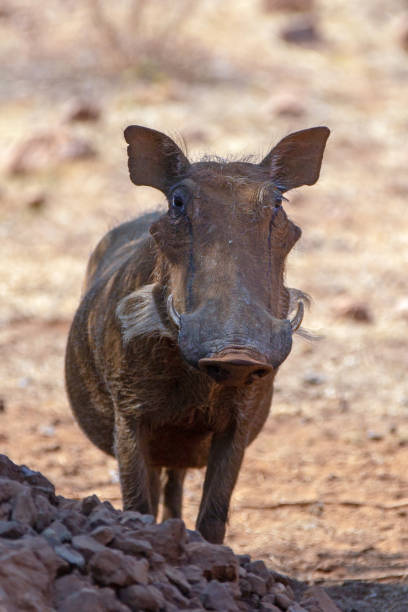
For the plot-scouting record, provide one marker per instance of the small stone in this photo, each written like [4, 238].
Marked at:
[57, 533]
[12, 530]
[45, 512]
[301, 31]
[36, 201]
[259, 568]
[314, 379]
[283, 601]
[75, 521]
[82, 110]
[112, 567]
[86, 546]
[216, 561]
[103, 534]
[352, 309]
[173, 595]
[89, 503]
[131, 544]
[70, 555]
[70, 583]
[217, 597]
[142, 597]
[295, 607]
[177, 578]
[168, 538]
[193, 573]
[92, 599]
[318, 596]
[100, 516]
[258, 585]
[243, 559]
[293, 6]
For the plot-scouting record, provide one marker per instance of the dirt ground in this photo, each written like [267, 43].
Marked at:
[323, 492]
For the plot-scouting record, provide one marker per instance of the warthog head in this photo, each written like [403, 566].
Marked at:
[222, 248]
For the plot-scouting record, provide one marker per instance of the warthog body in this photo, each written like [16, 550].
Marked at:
[174, 348]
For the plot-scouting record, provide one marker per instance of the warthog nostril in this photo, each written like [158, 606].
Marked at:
[216, 372]
[260, 373]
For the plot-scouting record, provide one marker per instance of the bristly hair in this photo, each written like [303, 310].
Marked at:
[139, 316]
[296, 295]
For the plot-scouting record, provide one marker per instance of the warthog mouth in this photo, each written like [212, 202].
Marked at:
[295, 322]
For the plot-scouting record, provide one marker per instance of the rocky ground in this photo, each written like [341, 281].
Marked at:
[68, 555]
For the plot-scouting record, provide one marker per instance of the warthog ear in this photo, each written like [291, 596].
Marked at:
[154, 159]
[296, 159]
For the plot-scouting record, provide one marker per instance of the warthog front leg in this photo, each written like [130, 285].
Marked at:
[135, 477]
[224, 462]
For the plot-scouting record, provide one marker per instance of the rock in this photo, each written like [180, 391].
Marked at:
[92, 599]
[103, 534]
[301, 31]
[71, 556]
[258, 585]
[193, 573]
[112, 567]
[45, 512]
[73, 520]
[314, 379]
[178, 579]
[168, 539]
[24, 578]
[12, 529]
[36, 200]
[216, 561]
[45, 150]
[55, 556]
[142, 597]
[68, 584]
[89, 503]
[132, 544]
[57, 533]
[354, 310]
[87, 546]
[9, 489]
[37, 480]
[173, 595]
[217, 597]
[292, 6]
[82, 110]
[282, 601]
[100, 516]
[316, 596]
[259, 568]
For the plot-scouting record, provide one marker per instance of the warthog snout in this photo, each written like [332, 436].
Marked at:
[234, 368]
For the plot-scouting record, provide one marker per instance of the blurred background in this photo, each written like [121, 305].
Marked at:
[232, 77]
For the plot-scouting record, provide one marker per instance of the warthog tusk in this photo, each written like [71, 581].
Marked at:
[295, 323]
[172, 312]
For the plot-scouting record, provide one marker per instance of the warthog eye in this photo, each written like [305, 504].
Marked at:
[178, 202]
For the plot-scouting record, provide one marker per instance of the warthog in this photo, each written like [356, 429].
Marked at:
[174, 348]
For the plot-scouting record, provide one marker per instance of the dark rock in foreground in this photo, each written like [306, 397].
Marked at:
[68, 555]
